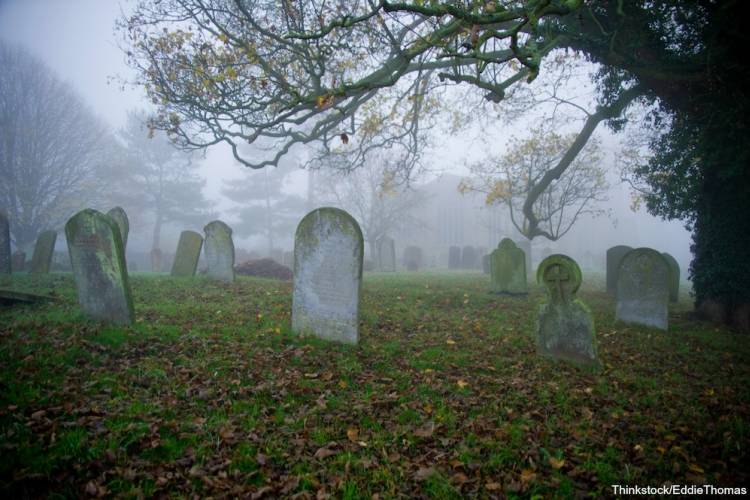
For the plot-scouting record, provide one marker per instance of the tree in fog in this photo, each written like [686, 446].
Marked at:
[52, 147]
[157, 179]
[370, 193]
[265, 209]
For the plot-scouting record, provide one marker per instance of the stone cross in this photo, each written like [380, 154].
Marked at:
[555, 276]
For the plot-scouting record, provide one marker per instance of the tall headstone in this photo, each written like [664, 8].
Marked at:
[643, 288]
[5, 258]
[386, 254]
[674, 277]
[614, 257]
[328, 254]
[508, 268]
[155, 260]
[565, 327]
[97, 257]
[469, 257]
[121, 219]
[454, 258]
[413, 258]
[43, 250]
[188, 253]
[18, 261]
[219, 249]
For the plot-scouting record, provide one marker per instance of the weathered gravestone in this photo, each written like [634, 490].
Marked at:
[454, 258]
[43, 250]
[565, 327]
[614, 257]
[219, 249]
[18, 261]
[188, 253]
[5, 258]
[328, 254]
[508, 268]
[643, 288]
[413, 258]
[386, 254]
[155, 260]
[674, 277]
[121, 219]
[469, 257]
[97, 257]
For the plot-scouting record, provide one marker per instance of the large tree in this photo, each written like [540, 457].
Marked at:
[303, 72]
[52, 147]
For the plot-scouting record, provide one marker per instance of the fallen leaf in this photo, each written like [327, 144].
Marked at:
[462, 383]
[323, 453]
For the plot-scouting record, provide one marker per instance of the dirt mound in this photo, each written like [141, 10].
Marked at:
[264, 268]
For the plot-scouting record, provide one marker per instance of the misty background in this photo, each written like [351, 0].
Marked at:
[76, 40]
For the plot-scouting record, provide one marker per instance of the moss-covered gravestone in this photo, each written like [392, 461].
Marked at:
[18, 261]
[469, 257]
[187, 255]
[643, 288]
[413, 258]
[121, 219]
[328, 254]
[97, 257]
[508, 268]
[454, 258]
[614, 257]
[386, 254]
[565, 327]
[674, 277]
[5, 258]
[43, 250]
[219, 250]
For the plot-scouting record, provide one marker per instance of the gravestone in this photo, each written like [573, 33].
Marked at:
[5, 257]
[18, 261]
[43, 250]
[454, 258]
[386, 254]
[674, 277]
[328, 254]
[155, 260]
[643, 288]
[413, 258]
[97, 257]
[219, 249]
[486, 264]
[565, 326]
[188, 253]
[469, 257]
[121, 219]
[508, 268]
[614, 257]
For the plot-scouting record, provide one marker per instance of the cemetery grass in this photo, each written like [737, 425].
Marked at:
[210, 394]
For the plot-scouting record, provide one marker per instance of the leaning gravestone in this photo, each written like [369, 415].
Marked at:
[155, 256]
[5, 259]
[643, 288]
[121, 219]
[43, 250]
[18, 261]
[565, 327]
[219, 249]
[187, 255]
[413, 258]
[97, 257]
[614, 257]
[508, 268]
[454, 258]
[674, 277]
[328, 254]
[386, 254]
[468, 257]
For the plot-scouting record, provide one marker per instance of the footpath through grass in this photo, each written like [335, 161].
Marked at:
[209, 394]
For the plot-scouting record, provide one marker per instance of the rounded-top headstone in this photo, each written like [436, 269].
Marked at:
[328, 255]
[614, 257]
[219, 250]
[561, 275]
[121, 219]
[508, 268]
[674, 277]
[643, 288]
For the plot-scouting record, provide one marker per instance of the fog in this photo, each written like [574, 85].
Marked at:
[75, 39]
